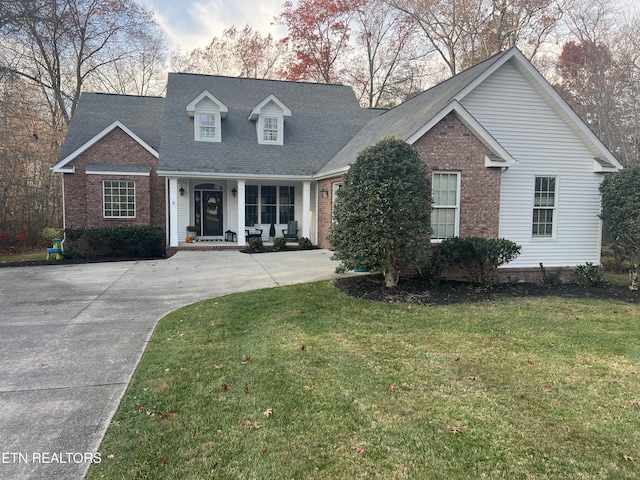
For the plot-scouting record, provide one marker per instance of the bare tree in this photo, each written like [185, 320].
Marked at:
[382, 54]
[464, 32]
[59, 45]
[244, 53]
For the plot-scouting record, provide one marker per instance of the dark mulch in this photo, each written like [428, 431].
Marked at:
[412, 291]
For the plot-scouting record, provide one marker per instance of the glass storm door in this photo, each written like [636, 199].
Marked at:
[208, 209]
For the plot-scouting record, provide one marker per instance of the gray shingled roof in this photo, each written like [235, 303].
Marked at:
[96, 111]
[324, 118]
[405, 119]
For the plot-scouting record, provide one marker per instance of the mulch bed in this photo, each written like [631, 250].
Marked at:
[412, 291]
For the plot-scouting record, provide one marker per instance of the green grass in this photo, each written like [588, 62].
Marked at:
[37, 254]
[536, 388]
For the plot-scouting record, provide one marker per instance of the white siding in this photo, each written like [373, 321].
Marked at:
[520, 119]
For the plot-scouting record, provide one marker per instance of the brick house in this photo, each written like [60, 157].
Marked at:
[508, 157]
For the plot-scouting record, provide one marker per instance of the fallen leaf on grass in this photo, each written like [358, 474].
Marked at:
[455, 430]
[529, 362]
[219, 367]
[141, 408]
[358, 450]
[635, 402]
[251, 425]
[225, 386]
[391, 388]
[263, 450]
[306, 388]
[472, 377]
[628, 458]
[246, 388]
[303, 348]
[268, 412]
[547, 388]
[245, 360]
[111, 455]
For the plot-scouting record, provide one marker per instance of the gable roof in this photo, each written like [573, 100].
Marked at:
[324, 118]
[413, 118]
[98, 114]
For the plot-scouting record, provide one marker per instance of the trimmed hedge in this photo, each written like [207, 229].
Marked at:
[124, 241]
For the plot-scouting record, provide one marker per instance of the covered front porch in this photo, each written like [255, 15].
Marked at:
[222, 212]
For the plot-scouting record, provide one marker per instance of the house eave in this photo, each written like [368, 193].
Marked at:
[233, 176]
[59, 167]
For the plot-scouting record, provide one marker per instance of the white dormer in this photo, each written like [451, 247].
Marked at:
[207, 112]
[269, 117]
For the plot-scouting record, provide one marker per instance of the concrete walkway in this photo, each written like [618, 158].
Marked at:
[71, 337]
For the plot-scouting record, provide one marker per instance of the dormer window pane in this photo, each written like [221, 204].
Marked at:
[270, 131]
[207, 127]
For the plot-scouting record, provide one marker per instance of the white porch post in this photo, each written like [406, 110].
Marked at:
[173, 211]
[306, 209]
[241, 219]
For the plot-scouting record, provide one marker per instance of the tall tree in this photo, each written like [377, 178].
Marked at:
[464, 32]
[382, 53]
[244, 53]
[59, 45]
[319, 33]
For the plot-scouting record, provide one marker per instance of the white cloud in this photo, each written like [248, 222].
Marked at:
[189, 24]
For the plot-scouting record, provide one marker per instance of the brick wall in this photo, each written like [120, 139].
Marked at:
[450, 146]
[83, 193]
[324, 210]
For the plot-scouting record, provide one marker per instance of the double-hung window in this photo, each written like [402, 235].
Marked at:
[544, 207]
[270, 129]
[119, 198]
[445, 214]
[206, 127]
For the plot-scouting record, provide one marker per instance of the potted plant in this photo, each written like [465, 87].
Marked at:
[191, 233]
[272, 231]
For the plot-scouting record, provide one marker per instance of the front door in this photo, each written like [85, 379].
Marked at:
[208, 209]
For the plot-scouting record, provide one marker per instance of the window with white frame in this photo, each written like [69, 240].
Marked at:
[206, 128]
[119, 198]
[270, 129]
[266, 204]
[544, 207]
[445, 213]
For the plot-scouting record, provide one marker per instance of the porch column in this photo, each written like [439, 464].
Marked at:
[173, 211]
[306, 209]
[241, 219]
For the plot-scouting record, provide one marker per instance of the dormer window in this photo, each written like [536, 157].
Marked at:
[206, 129]
[269, 117]
[270, 130]
[207, 112]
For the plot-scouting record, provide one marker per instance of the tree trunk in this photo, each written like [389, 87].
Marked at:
[634, 277]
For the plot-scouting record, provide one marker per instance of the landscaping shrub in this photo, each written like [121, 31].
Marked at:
[279, 243]
[122, 241]
[255, 244]
[589, 275]
[477, 258]
[305, 243]
[551, 278]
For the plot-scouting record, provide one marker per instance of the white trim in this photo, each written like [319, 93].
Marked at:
[336, 172]
[472, 124]
[457, 207]
[191, 107]
[255, 113]
[537, 77]
[117, 124]
[116, 172]
[233, 176]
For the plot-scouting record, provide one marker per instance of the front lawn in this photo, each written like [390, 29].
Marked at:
[305, 382]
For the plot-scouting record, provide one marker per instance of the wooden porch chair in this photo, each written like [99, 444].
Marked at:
[291, 232]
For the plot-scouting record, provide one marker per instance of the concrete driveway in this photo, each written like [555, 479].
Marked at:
[71, 337]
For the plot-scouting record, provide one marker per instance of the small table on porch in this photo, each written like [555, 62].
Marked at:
[250, 233]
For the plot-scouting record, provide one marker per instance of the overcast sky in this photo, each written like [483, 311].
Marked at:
[193, 23]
